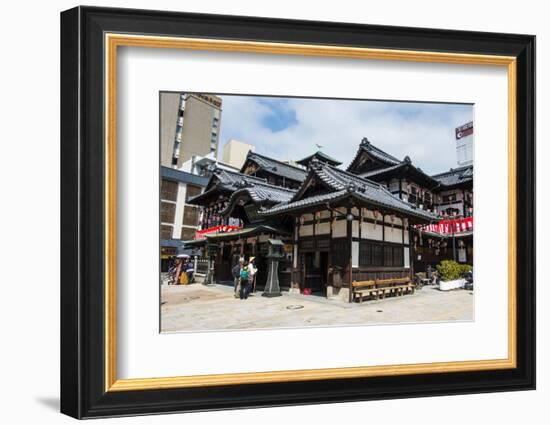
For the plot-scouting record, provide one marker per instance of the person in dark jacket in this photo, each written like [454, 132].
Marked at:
[236, 272]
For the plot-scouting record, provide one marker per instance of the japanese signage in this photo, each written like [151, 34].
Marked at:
[464, 130]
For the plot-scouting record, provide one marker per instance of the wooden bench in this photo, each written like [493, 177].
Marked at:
[362, 288]
[402, 286]
[378, 288]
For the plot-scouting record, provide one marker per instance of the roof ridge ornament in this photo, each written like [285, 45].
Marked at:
[243, 183]
[365, 142]
[407, 159]
[315, 163]
[351, 187]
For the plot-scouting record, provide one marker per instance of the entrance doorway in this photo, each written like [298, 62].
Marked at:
[315, 271]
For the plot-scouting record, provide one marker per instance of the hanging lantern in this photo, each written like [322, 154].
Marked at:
[301, 220]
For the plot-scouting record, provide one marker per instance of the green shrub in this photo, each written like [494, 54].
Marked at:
[449, 270]
[465, 268]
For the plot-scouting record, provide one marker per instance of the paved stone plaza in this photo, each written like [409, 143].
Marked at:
[196, 307]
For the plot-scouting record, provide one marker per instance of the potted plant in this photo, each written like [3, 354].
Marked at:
[451, 275]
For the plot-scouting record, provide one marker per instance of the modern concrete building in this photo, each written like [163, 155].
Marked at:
[178, 220]
[234, 152]
[189, 125]
[465, 144]
[203, 165]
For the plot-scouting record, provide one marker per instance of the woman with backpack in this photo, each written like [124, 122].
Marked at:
[245, 284]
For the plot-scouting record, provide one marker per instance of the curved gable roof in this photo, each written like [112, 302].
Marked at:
[368, 151]
[276, 167]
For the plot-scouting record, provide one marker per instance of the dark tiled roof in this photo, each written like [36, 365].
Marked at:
[247, 231]
[344, 184]
[277, 167]
[405, 163]
[225, 181]
[382, 170]
[455, 176]
[375, 152]
[260, 193]
[321, 156]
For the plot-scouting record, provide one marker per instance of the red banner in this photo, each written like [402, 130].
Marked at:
[201, 234]
[450, 226]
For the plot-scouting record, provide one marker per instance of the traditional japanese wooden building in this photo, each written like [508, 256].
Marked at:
[234, 199]
[449, 195]
[369, 222]
[273, 171]
[452, 238]
[346, 228]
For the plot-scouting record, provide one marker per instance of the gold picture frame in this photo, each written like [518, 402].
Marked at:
[91, 40]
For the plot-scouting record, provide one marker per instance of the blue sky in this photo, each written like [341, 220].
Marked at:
[290, 128]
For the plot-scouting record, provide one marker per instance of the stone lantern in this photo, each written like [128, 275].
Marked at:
[275, 253]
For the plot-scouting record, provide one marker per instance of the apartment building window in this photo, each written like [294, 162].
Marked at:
[190, 216]
[166, 232]
[192, 191]
[188, 233]
[215, 123]
[169, 189]
[167, 212]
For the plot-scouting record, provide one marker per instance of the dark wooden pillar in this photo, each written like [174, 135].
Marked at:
[349, 228]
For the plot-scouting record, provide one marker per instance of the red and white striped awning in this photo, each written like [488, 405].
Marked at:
[450, 226]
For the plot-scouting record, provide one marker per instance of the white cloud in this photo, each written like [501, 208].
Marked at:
[425, 132]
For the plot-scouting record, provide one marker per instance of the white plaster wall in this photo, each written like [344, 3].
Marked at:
[396, 220]
[355, 254]
[322, 228]
[407, 261]
[339, 229]
[306, 230]
[393, 235]
[355, 228]
[370, 231]
[307, 217]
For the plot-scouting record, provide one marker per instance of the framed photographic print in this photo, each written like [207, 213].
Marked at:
[261, 212]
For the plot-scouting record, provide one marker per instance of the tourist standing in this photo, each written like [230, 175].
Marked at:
[190, 270]
[252, 272]
[179, 265]
[244, 275]
[236, 272]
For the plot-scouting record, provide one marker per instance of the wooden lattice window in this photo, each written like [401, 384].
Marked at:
[192, 191]
[169, 190]
[167, 212]
[166, 232]
[191, 216]
[187, 233]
